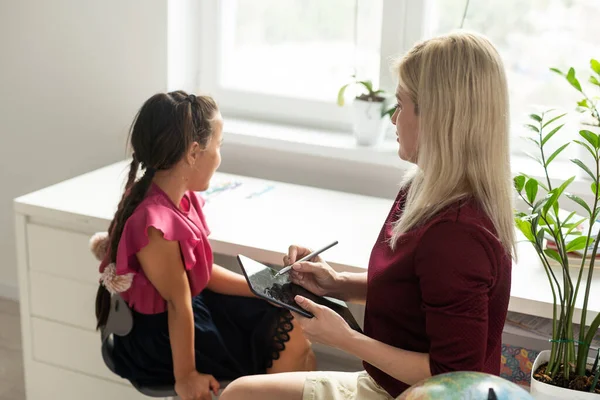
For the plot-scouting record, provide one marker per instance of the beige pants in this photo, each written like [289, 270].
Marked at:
[324, 385]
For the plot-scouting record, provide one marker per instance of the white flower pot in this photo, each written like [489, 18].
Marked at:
[368, 125]
[543, 391]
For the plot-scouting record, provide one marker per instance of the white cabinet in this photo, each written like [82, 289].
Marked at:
[57, 284]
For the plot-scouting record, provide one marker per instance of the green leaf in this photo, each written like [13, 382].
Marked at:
[573, 226]
[543, 186]
[389, 111]
[537, 206]
[577, 244]
[580, 201]
[531, 188]
[573, 80]
[587, 146]
[595, 189]
[525, 227]
[595, 66]
[566, 221]
[550, 220]
[519, 181]
[533, 128]
[537, 143]
[552, 133]
[555, 208]
[583, 167]
[540, 237]
[583, 103]
[368, 85]
[553, 254]
[555, 194]
[558, 71]
[340, 96]
[556, 153]
[535, 117]
[590, 136]
[594, 81]
[534, 158]
[553, 119]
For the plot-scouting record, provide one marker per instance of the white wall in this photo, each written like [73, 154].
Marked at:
[72, 75]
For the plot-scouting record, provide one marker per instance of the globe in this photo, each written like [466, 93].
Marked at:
[465, 386]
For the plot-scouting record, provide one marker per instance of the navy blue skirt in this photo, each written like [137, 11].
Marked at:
[234, 336]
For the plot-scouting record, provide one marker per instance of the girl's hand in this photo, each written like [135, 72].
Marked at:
[196, 386]
[326, 327]
[316, 276]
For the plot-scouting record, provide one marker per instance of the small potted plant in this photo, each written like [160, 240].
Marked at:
[566, 371]
[370, 108]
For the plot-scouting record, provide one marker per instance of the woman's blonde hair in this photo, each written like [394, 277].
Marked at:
[458, 85]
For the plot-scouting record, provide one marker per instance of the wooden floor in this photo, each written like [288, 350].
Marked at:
[12, 386]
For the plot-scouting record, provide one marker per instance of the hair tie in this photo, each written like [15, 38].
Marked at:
[192, 98]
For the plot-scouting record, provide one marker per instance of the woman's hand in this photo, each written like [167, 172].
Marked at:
[326, 327]
[196, 386]
[316, 276]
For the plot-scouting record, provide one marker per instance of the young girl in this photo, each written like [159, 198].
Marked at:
[194, 322]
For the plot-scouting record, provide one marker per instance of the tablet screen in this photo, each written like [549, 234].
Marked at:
[279, 289]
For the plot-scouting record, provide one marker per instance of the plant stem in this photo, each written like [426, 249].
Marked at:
[554, 343]
[583, 346]
[566, 328]
[464, 17]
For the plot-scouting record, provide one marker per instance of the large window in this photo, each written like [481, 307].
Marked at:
[302, 49]
[284, 60]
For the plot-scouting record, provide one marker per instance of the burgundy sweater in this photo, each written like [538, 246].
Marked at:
[443, 291]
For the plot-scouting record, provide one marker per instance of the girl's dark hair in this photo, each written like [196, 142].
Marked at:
[162, 131]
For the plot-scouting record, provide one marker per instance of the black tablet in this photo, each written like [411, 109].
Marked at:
[279, 290]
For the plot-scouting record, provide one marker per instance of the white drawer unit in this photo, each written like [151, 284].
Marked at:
[58, 279]
[74, 306]
[61, 253]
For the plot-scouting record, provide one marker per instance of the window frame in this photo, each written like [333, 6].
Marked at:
[294, 111]
[404, 22]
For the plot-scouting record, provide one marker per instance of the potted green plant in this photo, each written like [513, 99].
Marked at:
[370, 108]
[565, 371]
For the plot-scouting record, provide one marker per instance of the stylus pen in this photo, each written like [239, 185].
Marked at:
[308, 257]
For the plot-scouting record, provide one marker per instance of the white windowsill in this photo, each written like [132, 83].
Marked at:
[337, 145]
[306, 141]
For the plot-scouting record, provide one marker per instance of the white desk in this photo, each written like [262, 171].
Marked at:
[58, 275]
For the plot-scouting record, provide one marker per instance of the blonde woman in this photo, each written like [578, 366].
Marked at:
[438, 282]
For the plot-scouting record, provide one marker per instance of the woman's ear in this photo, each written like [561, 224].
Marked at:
[193, 153]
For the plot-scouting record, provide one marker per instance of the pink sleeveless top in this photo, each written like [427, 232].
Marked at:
[186, 224]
